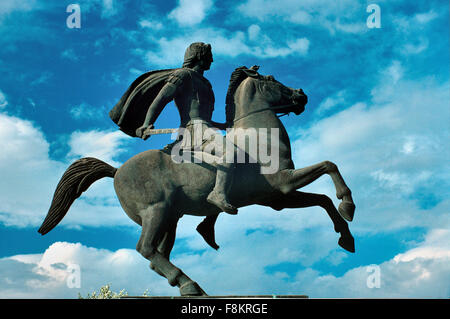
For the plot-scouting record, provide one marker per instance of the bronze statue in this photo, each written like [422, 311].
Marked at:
[155, 191]
[194, 99]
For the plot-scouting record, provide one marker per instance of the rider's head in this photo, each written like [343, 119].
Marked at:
[198, 53]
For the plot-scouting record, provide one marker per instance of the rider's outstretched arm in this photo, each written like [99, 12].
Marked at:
[164, 96]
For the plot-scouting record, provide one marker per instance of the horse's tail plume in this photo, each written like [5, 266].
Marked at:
[75, 180]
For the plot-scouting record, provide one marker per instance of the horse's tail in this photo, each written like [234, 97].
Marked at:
[75, 180]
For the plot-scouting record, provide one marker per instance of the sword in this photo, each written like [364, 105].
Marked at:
[151, 131]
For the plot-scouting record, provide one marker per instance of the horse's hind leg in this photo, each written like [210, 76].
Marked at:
[292, 179]
[156, 221]
[298, 199]
[166, 244]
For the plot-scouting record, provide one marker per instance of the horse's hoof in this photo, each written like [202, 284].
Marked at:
[348, 243]
[347, 210]
[191, 288]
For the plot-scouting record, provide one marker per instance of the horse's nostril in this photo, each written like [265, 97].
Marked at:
[298, 97]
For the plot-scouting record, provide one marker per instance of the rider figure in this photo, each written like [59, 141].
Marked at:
[194, 98]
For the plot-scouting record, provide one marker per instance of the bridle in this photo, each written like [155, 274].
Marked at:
[267, 109]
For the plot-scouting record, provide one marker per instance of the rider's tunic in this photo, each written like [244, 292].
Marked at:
[195, 105]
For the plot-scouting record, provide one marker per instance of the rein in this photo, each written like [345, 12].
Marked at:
[265, 109]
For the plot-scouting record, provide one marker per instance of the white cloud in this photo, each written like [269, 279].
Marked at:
[43, 78]
[86, 111]
[415, 24]
[329, 103]
[19, 24]
[170, 52]
[127, 269]
[109, 8]
[391, 150]
[300, 17]
[99, 205]
[342, 16]
[394, 71]
[45, 275]
[418, 46]
[8, 6]
[69, 54]
[191, 12]
[402, 182]
[32, 103]
[421, 272]
[408, 147]
[426, 17]
[100, 144]
[435, 246]
[298, 47]
[30, 176]
[150, 24]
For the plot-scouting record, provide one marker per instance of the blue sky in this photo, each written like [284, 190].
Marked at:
[378, 107]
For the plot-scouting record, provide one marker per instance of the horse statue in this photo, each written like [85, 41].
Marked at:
[155, 191]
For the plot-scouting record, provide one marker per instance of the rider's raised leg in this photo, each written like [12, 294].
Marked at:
[218, 196]
[215, 146]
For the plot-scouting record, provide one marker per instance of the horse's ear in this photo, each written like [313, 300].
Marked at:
[252, 72]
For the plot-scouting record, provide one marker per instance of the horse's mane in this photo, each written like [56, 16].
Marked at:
[237, 77]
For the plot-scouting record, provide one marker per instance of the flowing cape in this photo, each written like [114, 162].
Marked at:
[129, 113]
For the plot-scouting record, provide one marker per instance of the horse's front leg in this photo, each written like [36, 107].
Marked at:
[292, 179]
[298, 199]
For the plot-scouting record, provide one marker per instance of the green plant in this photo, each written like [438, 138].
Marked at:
[105, 293]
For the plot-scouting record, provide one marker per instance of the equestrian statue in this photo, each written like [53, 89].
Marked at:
[204, 172]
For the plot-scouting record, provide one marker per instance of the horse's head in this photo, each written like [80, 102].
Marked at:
[282, 99]
[258, 92]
